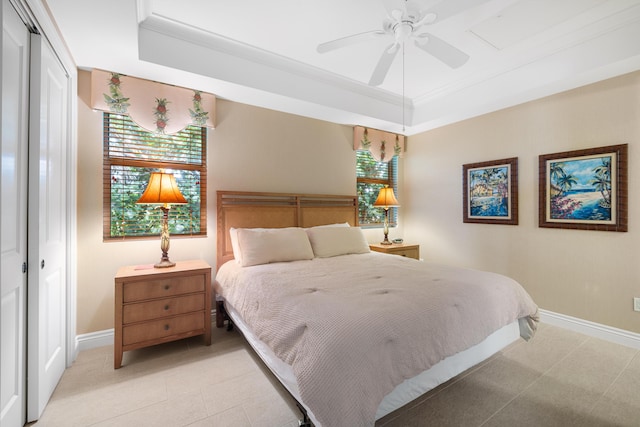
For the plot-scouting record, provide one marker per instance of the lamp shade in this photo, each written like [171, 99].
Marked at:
[386, 198]
[162, 189]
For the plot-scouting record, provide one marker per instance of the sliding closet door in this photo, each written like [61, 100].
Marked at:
[13, 216]
[48, 142]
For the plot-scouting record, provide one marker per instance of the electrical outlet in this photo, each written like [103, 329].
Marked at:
[636, 304]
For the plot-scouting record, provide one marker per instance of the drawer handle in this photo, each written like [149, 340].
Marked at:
[166, 307]
[167, 287]
[166, 327]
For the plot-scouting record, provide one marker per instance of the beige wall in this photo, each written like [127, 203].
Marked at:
[591, 275]
[251, 149]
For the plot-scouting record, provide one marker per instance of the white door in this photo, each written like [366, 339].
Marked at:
[13, 216]
[47, 225]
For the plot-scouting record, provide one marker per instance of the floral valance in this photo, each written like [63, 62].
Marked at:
[382, 145]
[156, 107]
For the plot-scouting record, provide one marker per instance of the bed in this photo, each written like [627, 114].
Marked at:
[352, 334]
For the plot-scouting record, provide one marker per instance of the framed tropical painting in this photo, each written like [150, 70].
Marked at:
[584, 189]
[490, 192]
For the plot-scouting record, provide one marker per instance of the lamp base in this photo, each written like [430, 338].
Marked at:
[164, 240]
[164, 263]
[386, 227]
[386, 240]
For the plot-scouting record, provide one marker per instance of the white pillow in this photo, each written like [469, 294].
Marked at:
[262, 246]
[233, 233]
[333, 241]
[237, 255]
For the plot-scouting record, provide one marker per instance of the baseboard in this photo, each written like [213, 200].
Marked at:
[94, 340]
[592, 329]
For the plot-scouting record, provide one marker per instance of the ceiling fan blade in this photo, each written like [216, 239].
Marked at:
[427, 18]
[442, 50]
[396, 15]
[348, 40]
[384, 63]
[410, 8]
[391, 5]
[415, 9]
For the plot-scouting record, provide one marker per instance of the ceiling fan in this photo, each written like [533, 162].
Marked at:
[405, 22]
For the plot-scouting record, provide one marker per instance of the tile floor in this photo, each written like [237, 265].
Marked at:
[560, 378]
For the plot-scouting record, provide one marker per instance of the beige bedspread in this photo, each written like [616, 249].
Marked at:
[353, 327]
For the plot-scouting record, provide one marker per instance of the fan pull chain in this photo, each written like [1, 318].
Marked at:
[403, 103]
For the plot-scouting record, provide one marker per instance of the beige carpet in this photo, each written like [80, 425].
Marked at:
[560, 378]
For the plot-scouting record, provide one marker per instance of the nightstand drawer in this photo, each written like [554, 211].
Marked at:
[142, 311]
[193, 322]
[411, 253]
[139, 291]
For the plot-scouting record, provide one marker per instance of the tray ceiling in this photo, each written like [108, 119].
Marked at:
[264, 53]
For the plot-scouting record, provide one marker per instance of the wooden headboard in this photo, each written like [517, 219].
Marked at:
[241, 209]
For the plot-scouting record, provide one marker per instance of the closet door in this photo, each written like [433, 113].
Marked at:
[48, 140]
[13, 216]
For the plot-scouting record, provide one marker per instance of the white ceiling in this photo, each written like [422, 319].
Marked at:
[264, 53]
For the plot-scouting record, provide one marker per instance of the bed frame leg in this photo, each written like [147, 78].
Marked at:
[222, 316]
[305, 421]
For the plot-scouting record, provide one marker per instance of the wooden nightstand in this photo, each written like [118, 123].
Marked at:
[411, 251]
[158, 305]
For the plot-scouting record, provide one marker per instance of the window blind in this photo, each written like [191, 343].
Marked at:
[130, 155]
[371, 176]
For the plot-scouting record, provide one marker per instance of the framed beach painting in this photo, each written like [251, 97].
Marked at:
[490, 192]
[584, 189]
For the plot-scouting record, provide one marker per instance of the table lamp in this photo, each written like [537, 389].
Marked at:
[163, 190]
[385, 200]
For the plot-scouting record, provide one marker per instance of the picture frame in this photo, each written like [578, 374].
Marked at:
[584, 189]
[490, 192]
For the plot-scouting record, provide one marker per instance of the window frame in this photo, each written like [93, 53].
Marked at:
[153, 165]
[391, 181]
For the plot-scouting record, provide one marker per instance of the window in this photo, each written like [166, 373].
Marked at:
[130, 155]
[371, 176]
